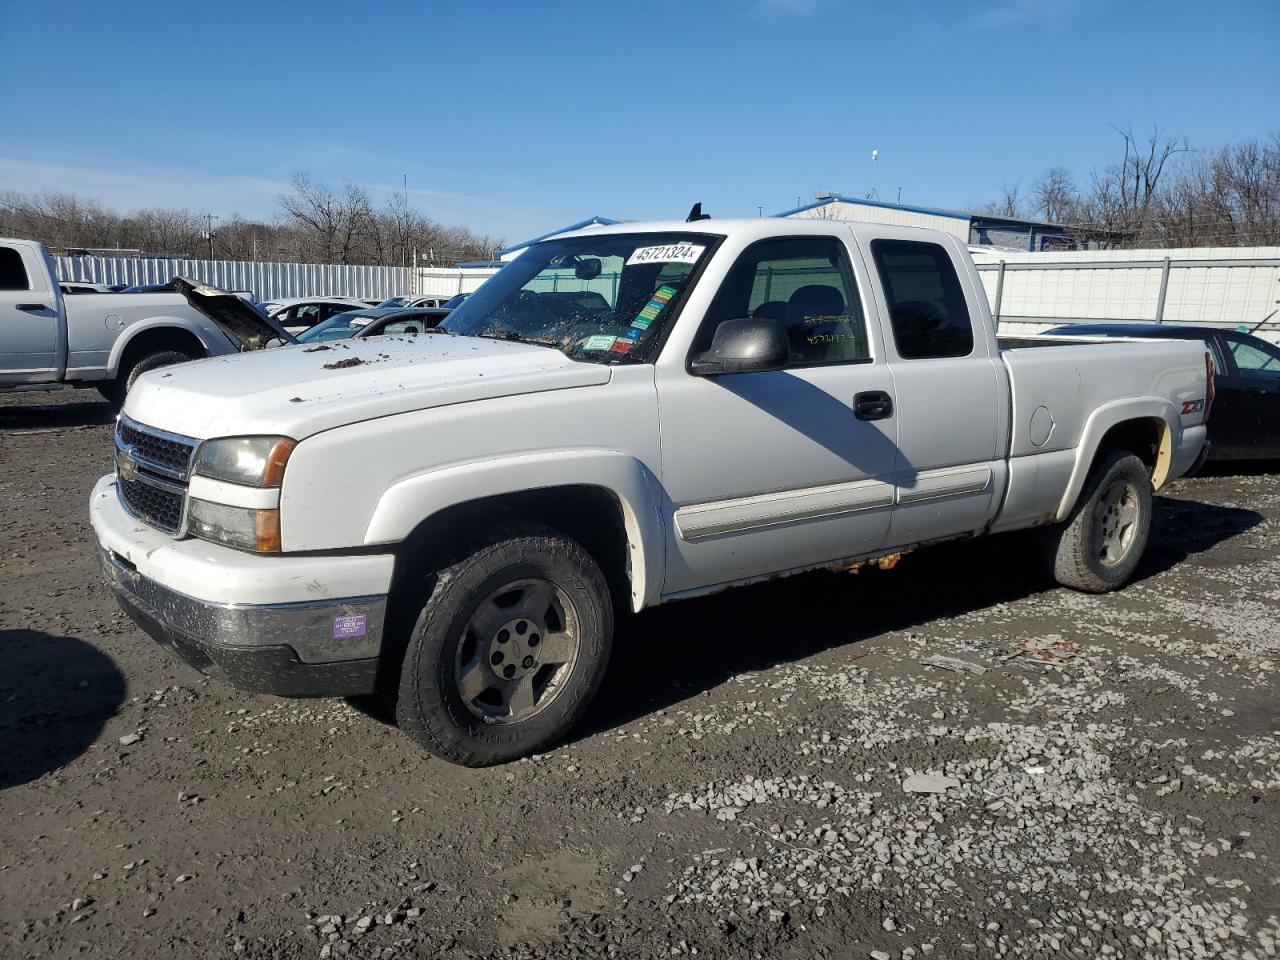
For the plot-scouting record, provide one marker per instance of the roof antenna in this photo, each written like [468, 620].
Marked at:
[696, 214]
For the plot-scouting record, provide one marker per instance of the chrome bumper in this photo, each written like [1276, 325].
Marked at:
[316, 648]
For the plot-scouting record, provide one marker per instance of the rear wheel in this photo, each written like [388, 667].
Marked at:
[115, 391]
[509, 648]
[1100, 544]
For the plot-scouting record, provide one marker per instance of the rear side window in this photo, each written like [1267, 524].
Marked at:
[13, 275]
[807, 285]
[1254, 359]
[927, 311]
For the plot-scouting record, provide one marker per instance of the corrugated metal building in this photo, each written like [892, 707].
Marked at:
[984, 229]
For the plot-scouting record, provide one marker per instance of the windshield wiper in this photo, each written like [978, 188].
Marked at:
[512, 336]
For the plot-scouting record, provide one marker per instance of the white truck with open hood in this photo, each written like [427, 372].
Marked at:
[621, 417]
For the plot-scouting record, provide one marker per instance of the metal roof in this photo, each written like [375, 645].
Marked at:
[930, 211]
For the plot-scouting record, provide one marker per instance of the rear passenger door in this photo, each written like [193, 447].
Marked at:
[950, 390]
[29, 318]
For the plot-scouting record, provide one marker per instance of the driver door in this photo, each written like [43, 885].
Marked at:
[770, 471]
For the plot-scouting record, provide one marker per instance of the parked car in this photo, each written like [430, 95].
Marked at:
[299, 314]
[103, 340]
[460, 517]
[1246, 409]
[373, 323]
[80, 286]
[455, 301]
[424, 300]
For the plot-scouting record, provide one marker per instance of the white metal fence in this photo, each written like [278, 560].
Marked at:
[1230, 287]
[265, 280]
[449, 281]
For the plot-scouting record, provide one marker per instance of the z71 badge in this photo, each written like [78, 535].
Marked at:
[1192, 406]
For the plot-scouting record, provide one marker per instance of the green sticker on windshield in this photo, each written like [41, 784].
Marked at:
[598, 343]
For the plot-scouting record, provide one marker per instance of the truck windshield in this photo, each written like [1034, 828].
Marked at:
[601, 298]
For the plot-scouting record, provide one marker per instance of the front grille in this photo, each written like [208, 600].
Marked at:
[168, 452]
[154, 505]
[152, 467]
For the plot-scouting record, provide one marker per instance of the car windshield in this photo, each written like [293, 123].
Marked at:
[602, 298]
[393, 302]
[338, 327]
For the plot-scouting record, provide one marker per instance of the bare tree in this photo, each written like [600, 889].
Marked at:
[1055, 195]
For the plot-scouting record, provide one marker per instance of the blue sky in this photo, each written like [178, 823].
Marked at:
[516, 117]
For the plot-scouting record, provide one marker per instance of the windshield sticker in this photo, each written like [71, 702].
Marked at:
[668, 253]
[620, 346]
[660, 298]
[359, 321]
[599, 343]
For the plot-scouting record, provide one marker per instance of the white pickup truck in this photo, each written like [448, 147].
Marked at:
[619, 418]
[103, 340]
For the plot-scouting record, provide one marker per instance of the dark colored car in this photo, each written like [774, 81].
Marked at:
[1245, 421]
[374, 323]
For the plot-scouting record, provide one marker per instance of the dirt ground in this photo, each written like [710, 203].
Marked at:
[737, 791]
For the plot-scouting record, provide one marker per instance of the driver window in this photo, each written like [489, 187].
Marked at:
[402, 326]
[807, 285]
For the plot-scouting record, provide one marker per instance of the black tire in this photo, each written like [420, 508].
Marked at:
[1097, 548]
[115, 391]
[430, 707]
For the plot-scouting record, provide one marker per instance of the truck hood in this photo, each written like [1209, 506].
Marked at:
[240, 320]
[297, 391]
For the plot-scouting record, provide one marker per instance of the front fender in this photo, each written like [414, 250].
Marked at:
[414, 499]
[212, 346]
[1111, 415]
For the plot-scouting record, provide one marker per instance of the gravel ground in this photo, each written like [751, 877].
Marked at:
[771, 772]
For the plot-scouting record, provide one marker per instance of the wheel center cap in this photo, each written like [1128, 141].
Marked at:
[513, 651]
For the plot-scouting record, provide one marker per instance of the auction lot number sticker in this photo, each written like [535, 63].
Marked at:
[668, 253]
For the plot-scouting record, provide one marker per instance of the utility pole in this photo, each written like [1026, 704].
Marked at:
[209, 218]
[404, 249]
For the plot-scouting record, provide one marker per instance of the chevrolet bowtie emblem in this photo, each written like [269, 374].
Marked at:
[126, 466]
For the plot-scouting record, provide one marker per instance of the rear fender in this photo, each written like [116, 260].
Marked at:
[414, 499]
[1112, 415]
[213, 344]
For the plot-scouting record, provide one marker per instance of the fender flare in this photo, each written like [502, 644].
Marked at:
[1111, 415]
[406, 504]
[133, 330]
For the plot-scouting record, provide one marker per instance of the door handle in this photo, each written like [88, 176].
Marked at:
[33, 307]
[872, 405]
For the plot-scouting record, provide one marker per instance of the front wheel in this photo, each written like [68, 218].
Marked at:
[1097, 548]
[509, 648]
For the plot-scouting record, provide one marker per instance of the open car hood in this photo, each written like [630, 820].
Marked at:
[240, 320]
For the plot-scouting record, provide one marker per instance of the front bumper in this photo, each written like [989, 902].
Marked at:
[253, 648]
[271, 641]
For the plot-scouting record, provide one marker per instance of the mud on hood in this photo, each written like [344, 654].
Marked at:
[240, 320]
[300, 390]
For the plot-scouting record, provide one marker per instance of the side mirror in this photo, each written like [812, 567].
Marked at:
[749, 345]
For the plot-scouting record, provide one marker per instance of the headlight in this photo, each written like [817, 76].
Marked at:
[253, 461]
[245, 528]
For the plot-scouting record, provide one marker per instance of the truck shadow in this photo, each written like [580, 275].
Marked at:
[50, 417]
[674, 652]
[56, 693]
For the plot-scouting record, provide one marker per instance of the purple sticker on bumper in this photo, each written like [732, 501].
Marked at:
[352, 625]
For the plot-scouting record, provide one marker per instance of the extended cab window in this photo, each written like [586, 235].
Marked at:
[807, 285]
[13, 275]
[927, 311]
